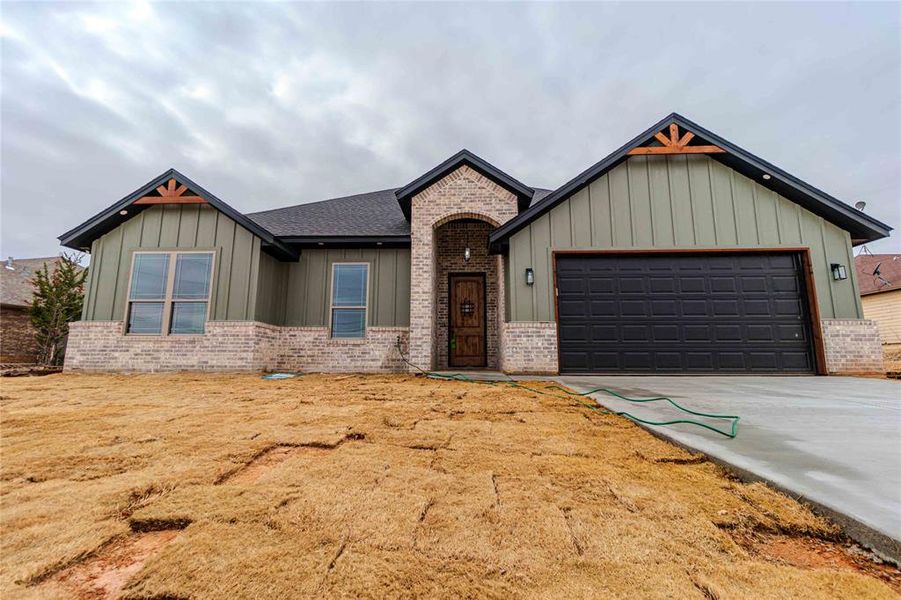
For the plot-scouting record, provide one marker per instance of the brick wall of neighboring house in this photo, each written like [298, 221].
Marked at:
[450, 241]
[852, 346]
[232, 346]
[17, 343]
[464, 193]
[529, 347]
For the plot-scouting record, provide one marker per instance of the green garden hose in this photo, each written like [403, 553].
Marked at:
[731, 433]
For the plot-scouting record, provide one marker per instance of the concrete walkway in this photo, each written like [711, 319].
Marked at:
[835, 441]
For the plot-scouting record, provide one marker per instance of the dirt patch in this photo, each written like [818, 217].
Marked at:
[21, 370]
[105, 574]
[814, 553]
[271, 457]
[261, 464]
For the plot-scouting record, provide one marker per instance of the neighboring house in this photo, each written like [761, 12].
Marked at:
[678, 253]
[880, 291]
[17, 342]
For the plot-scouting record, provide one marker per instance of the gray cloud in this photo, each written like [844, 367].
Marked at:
[276, 104]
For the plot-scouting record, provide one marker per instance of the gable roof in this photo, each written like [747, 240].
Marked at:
[464, 157]
[81, 237]
[889, 277]
[862, 227]
[16, 288]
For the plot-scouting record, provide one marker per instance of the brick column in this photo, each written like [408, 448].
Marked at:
[853, 346]
[422, 291]
[462, 194]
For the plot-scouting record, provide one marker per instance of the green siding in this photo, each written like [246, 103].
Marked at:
[307, 286]
[684, 201]
[170, 227]
[272, 287]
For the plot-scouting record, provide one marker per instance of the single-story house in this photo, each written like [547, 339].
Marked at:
[677, 253]
[17, 336]
[880, 292]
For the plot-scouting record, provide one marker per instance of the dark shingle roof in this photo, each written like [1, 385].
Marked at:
[372, 214]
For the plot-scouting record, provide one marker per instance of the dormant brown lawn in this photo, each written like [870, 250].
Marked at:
[210, 486]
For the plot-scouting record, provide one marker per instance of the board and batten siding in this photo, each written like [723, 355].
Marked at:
[683, 201]
[307, 287]
[169, 227]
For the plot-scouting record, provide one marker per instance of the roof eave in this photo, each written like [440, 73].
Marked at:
[347, 241]
[81, 237]
[863, 227]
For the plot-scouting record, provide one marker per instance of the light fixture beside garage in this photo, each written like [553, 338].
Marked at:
[530, 276]
[467, 254]
[839, 272]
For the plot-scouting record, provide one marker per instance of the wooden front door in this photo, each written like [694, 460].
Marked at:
[466, 327]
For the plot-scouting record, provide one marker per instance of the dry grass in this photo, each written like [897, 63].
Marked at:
[891, 355]
[381, 486]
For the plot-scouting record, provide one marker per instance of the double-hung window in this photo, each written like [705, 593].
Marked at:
[350, 289]
[169, 293]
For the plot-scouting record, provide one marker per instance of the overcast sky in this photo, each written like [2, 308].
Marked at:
[269, 105]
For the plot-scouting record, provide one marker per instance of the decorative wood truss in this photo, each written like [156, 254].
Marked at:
[675, 144]
[171, 193]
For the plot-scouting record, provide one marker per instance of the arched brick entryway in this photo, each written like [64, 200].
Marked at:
[451, 239]
[464, 204]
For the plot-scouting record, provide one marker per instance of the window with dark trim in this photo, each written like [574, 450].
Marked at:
[169, 293]
[350, 290]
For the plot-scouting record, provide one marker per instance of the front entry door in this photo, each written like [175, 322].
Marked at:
[466, 310]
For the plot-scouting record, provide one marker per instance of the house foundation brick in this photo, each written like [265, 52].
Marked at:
[853, 346]
[529, 347]
[233, 346]
[311, 349]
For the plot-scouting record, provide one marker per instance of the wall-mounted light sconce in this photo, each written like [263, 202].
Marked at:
[838, 271]
[467, 254]
[530, 276]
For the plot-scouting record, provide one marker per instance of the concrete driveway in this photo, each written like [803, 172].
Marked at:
[835, 441]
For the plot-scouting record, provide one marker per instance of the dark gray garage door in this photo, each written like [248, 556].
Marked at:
[672, 313]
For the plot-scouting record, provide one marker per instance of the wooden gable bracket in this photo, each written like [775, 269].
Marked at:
[171, 193]
[675, 144]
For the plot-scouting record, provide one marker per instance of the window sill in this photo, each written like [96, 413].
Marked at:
[178, 336]
[346, 341]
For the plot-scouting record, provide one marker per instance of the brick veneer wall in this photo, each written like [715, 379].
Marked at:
[311, 349]
[233, 346]
[529, 347]
[464, 193]
[451, 239]
[17, 343]
[852, 346]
